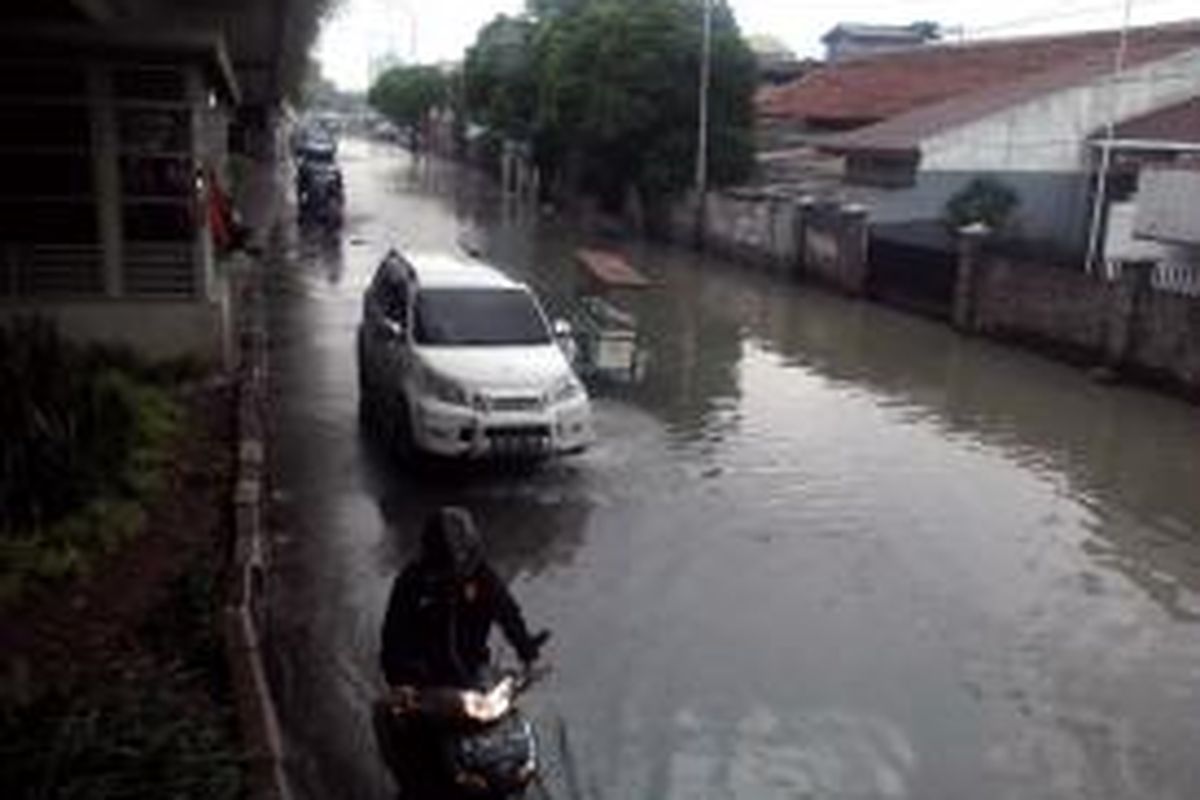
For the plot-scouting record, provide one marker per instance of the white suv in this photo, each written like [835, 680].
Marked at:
[464, 356]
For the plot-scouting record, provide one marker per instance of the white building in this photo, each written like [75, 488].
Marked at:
[108, 149]
[115, 116]
[915, 127]
[854, 39]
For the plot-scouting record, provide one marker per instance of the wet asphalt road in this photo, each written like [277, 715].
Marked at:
[824, 549]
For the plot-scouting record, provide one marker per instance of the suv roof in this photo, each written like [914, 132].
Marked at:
[449, 271]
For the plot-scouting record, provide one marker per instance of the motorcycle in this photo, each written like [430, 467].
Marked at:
[321, 197]
[445, 742]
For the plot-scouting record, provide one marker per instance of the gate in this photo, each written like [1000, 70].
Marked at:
[913, 265]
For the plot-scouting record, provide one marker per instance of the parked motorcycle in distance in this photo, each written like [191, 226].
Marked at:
[446, 742]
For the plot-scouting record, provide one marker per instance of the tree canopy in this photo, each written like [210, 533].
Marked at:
[500, 77]
[607, 92]
[406, 94]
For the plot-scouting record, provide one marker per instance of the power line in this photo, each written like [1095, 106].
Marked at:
[1068, 13]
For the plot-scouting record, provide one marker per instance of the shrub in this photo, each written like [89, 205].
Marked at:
[83, 437]
[985, 200]
[135, 737]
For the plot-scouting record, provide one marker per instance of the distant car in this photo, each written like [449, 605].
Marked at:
[385, 132]
[461, 358]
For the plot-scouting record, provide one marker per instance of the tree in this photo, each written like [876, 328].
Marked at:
[500, 78]
[767, 47]
[606, 91]
[406, 95]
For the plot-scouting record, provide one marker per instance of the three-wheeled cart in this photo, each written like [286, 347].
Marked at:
[606, 333]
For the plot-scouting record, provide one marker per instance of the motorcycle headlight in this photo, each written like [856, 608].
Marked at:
[445, 389]
[565, 389]
[491, 706]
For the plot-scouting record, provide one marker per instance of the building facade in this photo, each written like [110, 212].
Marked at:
[111, 148]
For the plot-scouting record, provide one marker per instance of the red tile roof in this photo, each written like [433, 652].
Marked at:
[904, 132]
[870, 89]
[1177, 123]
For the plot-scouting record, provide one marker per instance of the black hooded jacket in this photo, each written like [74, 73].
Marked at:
[442, 608]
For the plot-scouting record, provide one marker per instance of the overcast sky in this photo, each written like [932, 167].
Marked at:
[440, 31]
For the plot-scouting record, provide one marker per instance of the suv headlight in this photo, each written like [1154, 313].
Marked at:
[565, 389]
[444, 389]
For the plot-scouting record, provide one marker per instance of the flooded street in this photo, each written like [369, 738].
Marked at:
[823, 549]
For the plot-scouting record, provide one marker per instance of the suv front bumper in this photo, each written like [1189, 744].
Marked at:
[458, 432]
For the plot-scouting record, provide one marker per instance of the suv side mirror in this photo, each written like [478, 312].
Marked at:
[564, 334]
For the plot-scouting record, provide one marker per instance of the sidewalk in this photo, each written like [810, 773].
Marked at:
[261, 201]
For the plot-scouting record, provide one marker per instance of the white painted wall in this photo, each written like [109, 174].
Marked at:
[1176, 267]
[1168, 205]
[1120, 243]
[1048, 134]
[1053, 206]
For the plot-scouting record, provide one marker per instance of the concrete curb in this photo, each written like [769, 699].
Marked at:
[244, 600]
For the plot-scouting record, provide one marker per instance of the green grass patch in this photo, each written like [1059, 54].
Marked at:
[85, 439]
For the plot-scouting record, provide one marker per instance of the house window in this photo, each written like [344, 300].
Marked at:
[99, 166]
[153, 83]
[885, 171]
[50, 240]
[157, 169]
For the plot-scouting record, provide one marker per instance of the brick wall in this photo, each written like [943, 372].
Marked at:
[750, 226]
[1040, 302]
[821, 244]
[1166, 337]
[790, 237]
[1151, 332]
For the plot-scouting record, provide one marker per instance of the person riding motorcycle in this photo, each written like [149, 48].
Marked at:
[319, 190]
[442, 608]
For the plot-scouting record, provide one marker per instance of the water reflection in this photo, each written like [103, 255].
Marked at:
[531, 517]
[1132, 454]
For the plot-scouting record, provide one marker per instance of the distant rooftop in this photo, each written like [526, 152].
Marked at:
[875, 88]
[916, 33]
[1179, 123]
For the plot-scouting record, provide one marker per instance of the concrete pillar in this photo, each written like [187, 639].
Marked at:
[203, 253]
[700, 209]
[852, 248]
[506, 166]
[1133, 284]
[783, 248]
[803, 218]
[782, 240]
[970, 254]
[106, 175]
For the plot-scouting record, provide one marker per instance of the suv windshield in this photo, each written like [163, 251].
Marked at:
[478, 316]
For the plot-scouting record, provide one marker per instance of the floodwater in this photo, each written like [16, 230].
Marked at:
[821, 550]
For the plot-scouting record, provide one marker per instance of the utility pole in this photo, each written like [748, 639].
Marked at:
[701, 179]
[406, 8]
[1095, 246]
